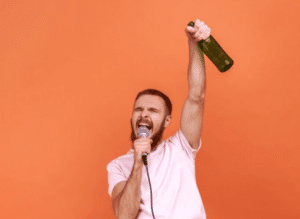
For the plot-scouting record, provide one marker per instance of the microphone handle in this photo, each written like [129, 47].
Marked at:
[214, 52]
[144, 158]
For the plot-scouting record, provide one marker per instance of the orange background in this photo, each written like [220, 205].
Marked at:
[69, 73]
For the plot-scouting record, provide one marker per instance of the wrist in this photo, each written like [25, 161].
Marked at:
[195, 50]
[137, 166]
[192, 44]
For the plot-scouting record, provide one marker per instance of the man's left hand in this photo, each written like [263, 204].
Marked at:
[200, 31]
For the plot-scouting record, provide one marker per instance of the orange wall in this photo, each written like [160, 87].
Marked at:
[69, 73]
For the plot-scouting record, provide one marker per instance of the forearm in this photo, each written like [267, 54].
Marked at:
[196, 73]
[129, 200]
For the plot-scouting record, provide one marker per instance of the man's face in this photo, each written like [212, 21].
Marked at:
[149, 111]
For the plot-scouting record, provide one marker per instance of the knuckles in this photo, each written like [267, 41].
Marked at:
[143, 141]
[200, 31]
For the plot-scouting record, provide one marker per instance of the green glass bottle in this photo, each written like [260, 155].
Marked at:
[214, 52]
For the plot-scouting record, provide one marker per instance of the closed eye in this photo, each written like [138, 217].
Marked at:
[150, 109]
[153, 110]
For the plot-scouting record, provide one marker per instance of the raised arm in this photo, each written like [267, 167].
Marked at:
[192, 111]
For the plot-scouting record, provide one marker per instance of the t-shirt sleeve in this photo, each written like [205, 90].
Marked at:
[115, 175]
[180, 139]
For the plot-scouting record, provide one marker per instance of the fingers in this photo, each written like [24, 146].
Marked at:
[143, 145]
[199, 32]
[144, 140]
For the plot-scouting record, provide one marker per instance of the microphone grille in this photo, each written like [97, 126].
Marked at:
[143, 131]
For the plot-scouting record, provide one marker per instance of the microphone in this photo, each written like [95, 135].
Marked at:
[214, 52]
[143, 132]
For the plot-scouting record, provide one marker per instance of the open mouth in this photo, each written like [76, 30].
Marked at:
[144, 124]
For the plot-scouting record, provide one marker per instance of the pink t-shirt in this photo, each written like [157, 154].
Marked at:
[172, 175]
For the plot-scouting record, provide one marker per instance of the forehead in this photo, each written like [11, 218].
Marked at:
[148, 100]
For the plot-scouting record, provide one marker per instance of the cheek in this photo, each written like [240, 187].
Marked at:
[134, 117]
[158, 124]
[133, 122]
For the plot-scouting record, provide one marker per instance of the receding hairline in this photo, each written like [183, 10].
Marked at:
[155, 95]
[155, 92]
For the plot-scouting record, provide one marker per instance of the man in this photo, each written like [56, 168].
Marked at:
[171, 163]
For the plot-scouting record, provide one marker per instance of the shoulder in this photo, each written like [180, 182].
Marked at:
[119, 170]
[120, 161]
[178, 138]
[180, 141]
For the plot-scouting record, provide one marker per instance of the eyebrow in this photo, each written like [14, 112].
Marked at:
[150, 108]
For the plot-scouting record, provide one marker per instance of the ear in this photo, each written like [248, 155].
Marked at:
[168, 120]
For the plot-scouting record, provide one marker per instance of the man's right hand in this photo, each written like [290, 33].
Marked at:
[140, 146]
[126, 195]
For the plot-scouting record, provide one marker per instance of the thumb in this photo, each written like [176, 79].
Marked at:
[190, 29]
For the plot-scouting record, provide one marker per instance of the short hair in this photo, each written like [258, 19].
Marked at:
[157, 93]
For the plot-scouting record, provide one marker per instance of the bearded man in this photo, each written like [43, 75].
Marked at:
[171, 162]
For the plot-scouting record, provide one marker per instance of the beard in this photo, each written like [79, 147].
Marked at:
[156, 137]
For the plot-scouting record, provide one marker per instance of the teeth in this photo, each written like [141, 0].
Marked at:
[144, 124]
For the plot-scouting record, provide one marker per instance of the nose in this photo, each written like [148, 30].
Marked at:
[144, 113]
